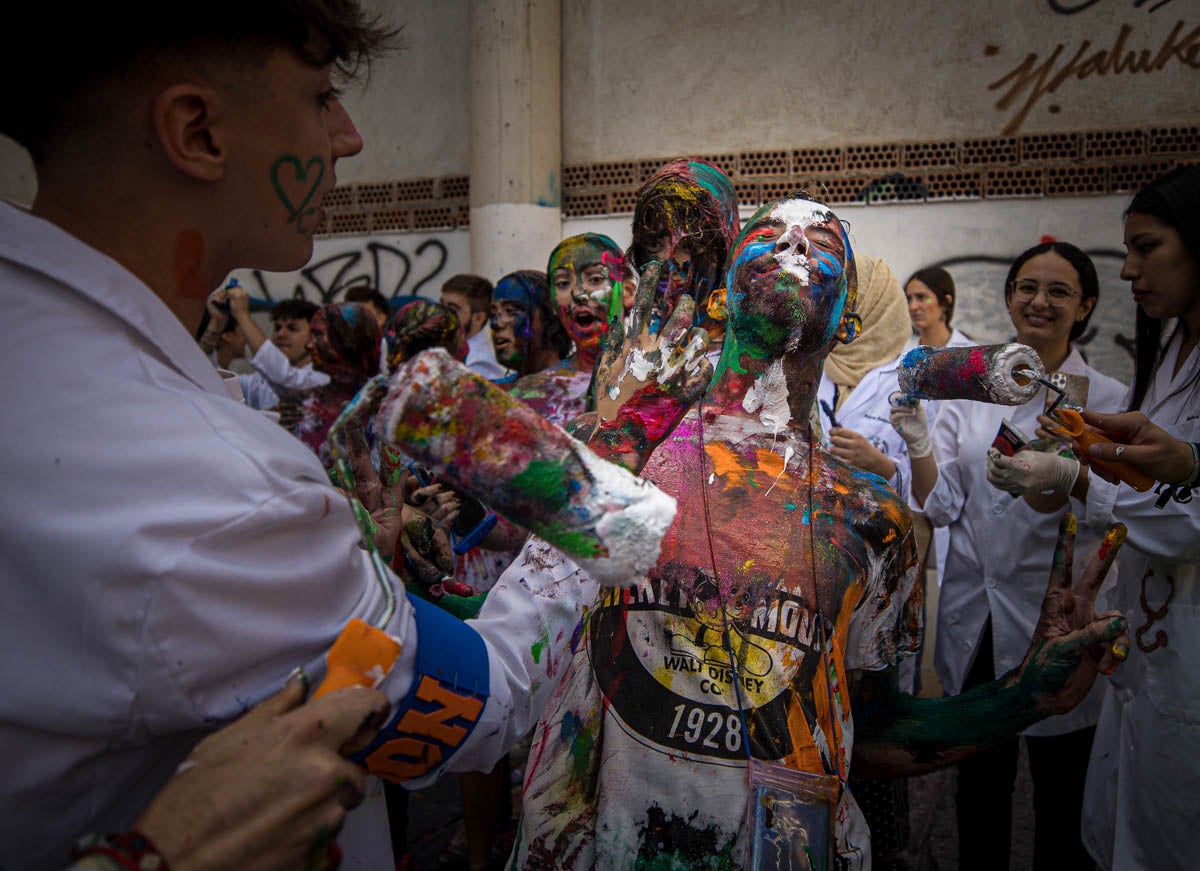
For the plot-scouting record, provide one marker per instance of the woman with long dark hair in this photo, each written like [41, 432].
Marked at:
[1141, 807]
[993, 579]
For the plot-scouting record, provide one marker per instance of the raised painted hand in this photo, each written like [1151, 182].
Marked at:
[1072, 643]
[646, 380]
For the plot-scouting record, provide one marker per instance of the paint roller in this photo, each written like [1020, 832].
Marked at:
[496, 449]
[1008, 374]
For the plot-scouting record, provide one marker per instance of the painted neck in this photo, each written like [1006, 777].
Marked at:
[777, 391]
[541, 359]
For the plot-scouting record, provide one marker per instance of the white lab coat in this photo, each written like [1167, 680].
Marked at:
[1141, 805]
[1000, 548]
[169, 555]
[865, 411]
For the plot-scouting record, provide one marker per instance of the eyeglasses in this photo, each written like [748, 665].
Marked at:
[1056, 294]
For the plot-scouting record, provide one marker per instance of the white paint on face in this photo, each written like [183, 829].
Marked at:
[791, 250]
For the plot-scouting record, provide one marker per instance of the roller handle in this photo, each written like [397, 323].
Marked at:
[1072, 426]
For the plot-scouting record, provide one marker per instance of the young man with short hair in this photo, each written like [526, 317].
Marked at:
[373, 299]
[282, 364]
[470, 297]
[170, 555]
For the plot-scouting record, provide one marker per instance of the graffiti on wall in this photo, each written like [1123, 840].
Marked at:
[395, 266]
[1038, 76]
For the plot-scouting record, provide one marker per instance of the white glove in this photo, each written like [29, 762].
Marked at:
[1031, 472]
[911, 422]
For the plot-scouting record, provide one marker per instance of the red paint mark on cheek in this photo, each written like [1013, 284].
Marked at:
[189, 254]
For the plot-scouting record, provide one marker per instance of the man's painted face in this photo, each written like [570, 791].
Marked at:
[686, 218]
[291, 337]
[516, 324]
[788, 282]
[584, 275]
[288, 130]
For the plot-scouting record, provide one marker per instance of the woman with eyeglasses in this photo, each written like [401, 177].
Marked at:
[994, 576]
[1141, 809]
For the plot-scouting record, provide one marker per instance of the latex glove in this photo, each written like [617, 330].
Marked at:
[1031, 472]
[910, 421]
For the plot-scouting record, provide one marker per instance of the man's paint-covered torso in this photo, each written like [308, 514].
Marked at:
[640, 759]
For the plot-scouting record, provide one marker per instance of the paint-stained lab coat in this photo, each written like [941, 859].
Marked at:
[169, 556]
[865, 411]
[1000, 548]
[1141, 805]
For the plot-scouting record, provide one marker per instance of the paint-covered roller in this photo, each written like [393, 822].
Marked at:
[496, 449]
[999, 374]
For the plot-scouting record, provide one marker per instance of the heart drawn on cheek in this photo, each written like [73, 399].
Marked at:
[295, 184]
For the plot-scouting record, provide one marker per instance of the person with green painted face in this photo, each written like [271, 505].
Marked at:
[590, 283]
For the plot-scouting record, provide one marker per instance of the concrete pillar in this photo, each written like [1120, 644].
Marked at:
[515, 105]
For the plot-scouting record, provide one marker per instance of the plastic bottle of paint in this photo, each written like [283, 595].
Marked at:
[1072, 425]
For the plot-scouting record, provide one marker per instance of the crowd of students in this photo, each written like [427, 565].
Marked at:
[172, 554]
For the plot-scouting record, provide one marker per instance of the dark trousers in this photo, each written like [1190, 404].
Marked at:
[985, 787]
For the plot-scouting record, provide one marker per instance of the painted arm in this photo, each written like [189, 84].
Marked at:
[897, 734]
[646, 381]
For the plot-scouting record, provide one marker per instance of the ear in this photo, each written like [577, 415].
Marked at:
[478, 319]
[1085, 307]
[184, 116]
[849, 329]
[718, 305]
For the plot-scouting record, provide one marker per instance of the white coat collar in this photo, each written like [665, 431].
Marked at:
[43, 247]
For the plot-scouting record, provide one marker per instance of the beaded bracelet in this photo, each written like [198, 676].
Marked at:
[1182, 492]
[129, 851]
[1190, 480]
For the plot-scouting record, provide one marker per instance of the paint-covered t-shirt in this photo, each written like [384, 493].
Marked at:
[557, 394]
[640, 759]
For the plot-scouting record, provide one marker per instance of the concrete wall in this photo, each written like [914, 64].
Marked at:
[655, 77]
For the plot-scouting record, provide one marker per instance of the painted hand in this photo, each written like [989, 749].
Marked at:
[270, 791]
[855, 449]
[1031, 472]
[909, 419]
[425, 554]
[646, 381]
[442, 505]
[1072, 643]
[381, 494]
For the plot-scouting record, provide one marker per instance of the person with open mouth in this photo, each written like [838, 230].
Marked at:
[591, 284]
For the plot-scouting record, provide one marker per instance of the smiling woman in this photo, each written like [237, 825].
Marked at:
[992, 582]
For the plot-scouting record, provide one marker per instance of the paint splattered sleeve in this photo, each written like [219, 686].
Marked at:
[527, 624]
